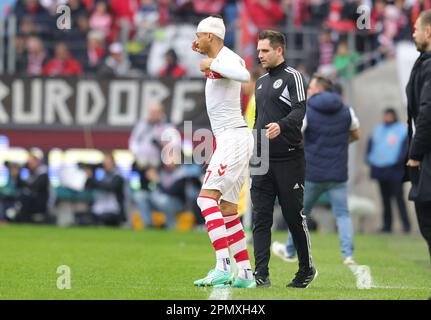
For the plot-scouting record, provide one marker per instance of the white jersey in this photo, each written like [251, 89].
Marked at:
[223, 91]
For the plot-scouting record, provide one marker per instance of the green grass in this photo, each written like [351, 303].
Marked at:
[124, 264]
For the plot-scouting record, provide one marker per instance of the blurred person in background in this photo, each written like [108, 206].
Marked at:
[9, 192]
[116, 64]
[63, 64]
[101, 20]
[146, 20]
[36, 56]
[33, 10]
[34, 192]
[329, 126]
[108, 205]
[178, 185]
[95, 51]
[145, 143]
[172, 67]
[419, 120]
[326, 54]
[345, 61]
[386, 154]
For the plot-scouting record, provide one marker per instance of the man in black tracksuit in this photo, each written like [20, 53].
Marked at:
[419, 120]
[280, 109]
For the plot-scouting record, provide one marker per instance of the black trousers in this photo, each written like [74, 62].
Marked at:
[389, 190]
[285, 180]
[423, 212]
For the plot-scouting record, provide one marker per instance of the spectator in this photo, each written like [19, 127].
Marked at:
[101, 20]
[390, 30]
[32, 10]
[116, 64]
[32, 201]
[208, 7]
[27, 26]
[123, 11]
[51, 5]
[76, 38]
[404, 26]
[63, 64]
[108, 206]
[146, 20]
[145, 144]
[95, 50]
[36, 56]
[345, 61]
[265, 14]
[177, 186]
[417, 8]
[340, 16]
[386, 154]
[20, 54]
[172, 68]
[77, 9]
[9, 192]
[326, 54]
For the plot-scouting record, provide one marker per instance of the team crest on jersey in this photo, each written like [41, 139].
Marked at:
[277, 84]
[213, 75]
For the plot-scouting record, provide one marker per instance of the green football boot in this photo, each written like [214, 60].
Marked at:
[215, 277]
[239, 283]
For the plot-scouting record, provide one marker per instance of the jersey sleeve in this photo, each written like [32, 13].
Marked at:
[298, 97]
[231, 68]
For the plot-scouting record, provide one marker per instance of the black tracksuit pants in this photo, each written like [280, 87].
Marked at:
[389, 189]
[423, 213]
[285, 180]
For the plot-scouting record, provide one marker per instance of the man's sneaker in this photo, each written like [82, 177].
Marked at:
[262, 282]
[303, 278]
[215, 277]
[349, 261]
[239, 283]
[279, 249]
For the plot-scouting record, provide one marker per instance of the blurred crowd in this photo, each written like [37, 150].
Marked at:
[95, 44]
[96, 193]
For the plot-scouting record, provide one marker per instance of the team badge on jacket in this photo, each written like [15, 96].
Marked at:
[277, 84]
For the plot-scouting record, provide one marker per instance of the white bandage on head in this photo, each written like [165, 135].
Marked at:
[212, 25]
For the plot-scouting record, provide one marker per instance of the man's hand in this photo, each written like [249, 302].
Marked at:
[205, 65]
[273, 130]
[413, 163]
[195, 47]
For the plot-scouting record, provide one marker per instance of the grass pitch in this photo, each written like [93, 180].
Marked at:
[125, 264]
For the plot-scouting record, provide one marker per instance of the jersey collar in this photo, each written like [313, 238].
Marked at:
[278, 69]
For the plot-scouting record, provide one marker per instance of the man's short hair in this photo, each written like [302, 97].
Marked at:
[425, 17]
[323, 81]
[276, 39]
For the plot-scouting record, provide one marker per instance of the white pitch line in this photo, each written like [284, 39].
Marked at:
[363, 276]
[220, 294]
[365, 281]
[401, 287]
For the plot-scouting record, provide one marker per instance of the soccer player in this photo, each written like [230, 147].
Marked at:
[228, 168]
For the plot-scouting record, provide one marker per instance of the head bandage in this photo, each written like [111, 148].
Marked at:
[212, 25]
